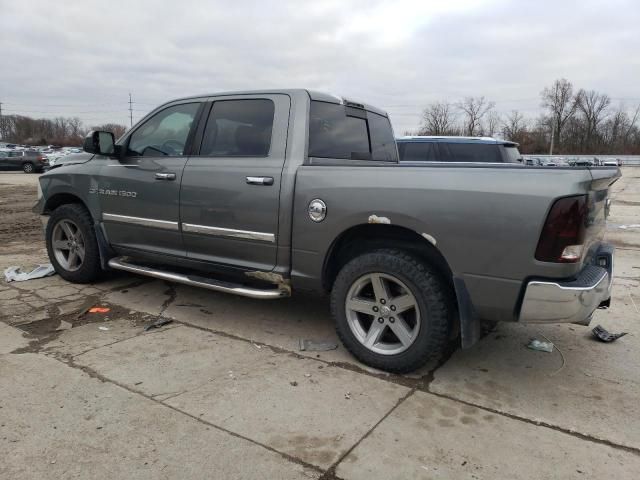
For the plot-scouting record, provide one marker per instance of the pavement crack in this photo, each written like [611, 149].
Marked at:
[330, 474]
[540, 423]
[70, 362]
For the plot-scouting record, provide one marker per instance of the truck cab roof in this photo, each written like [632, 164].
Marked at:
[312, 94]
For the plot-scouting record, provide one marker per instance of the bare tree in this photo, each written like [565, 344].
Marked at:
[561, 103]
[514, 126]
[438, 119]
[492, 124]
[474, 109]
[593, 107]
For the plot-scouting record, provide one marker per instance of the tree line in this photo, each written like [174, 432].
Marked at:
[572, 122]
[63, 131]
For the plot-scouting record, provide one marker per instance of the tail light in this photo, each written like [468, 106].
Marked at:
[41, 158]
[563, 234]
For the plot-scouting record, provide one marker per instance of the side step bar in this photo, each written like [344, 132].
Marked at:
[197, 281]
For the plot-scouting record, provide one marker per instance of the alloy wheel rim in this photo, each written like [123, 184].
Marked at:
[68, 245]
[382, 313]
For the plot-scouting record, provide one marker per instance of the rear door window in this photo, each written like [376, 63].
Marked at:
[418, 152]
[471, 152]
[338, 131]
[239, 128]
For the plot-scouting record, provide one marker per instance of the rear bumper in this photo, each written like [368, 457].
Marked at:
[574, 301]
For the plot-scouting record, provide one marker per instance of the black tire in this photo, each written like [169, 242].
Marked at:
[90, 269]
[28, 167]
[433, 297]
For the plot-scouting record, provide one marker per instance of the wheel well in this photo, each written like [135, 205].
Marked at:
[61, 199]
[363, 238]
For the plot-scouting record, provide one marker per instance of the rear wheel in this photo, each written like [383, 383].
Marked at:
[72, 244]
[28, 167]
[392, 311]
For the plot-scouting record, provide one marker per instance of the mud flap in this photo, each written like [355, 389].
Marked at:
[105, 250]
[470, 327]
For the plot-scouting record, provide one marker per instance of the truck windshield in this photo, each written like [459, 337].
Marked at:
[336, 131]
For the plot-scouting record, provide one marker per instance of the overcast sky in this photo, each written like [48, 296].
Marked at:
[82, 58]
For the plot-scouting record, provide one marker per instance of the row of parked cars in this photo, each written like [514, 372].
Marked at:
[35, 159]
[572, 162]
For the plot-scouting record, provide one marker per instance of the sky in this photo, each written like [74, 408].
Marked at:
[83, 58]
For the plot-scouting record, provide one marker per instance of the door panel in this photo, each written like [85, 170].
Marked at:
[140, 195]
[231, 191]
[138, 210]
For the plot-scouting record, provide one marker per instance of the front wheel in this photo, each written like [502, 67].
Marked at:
[392, 311]
[72, 244]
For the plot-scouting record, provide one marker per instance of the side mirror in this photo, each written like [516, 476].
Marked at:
[99, 143]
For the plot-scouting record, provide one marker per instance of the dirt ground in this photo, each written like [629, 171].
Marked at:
[19, 226]
[224, 391]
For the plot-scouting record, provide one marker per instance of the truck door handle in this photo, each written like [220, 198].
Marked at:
[260, 180]
[165, 176]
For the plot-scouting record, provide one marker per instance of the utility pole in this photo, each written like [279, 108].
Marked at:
[553, 130]
[1, 123]
[130, 110]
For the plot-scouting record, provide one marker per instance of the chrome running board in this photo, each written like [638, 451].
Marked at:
[197, 281]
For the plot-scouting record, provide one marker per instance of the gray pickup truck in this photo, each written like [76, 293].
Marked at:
[266, 193]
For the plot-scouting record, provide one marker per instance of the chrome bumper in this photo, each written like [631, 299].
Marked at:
[566, 302]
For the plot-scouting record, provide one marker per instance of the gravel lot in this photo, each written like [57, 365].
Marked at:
[225, 392]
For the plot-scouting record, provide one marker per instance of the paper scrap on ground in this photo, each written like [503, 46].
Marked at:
[540, 346]
[14, 274]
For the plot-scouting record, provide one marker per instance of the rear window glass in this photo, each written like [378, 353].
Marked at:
[417, 152]
[470, 152]
[362, 135]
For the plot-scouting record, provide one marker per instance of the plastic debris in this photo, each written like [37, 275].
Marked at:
[540, 346]
[104, 328]
[99, 310]
[347, 396]
[160, 322]
[601, 334]
[317, 346]
[14, 274]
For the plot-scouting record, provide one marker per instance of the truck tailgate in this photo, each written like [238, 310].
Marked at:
[599, 202]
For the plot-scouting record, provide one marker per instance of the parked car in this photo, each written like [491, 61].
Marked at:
[457, 149]
[267, 193]
[29, 161]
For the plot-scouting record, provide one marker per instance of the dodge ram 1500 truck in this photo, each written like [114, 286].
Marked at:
[264, 193]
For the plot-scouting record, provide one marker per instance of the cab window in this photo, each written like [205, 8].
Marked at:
[164, 134]
[343, 132]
